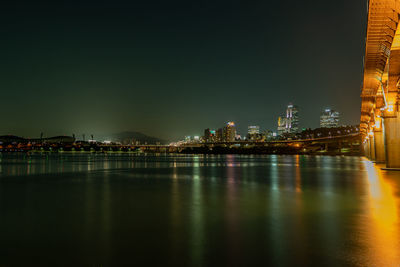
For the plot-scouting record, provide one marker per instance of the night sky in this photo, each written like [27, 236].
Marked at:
[173, 68]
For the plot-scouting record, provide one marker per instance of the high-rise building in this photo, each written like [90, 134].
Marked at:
[219, 135]
[329, 119]
[213, 136]
[253, 133]
[207, 135]
[229, 132]
[253, 130]
[281, 125]
[290, 122]
[292, 119]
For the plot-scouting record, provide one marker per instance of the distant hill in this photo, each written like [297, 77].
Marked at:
[53, 139]
[11, 138]
[128, 136]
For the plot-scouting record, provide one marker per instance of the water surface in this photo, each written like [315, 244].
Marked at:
[230, 210]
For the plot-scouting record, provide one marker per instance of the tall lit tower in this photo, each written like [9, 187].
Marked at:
[329, 119]
[292, 119]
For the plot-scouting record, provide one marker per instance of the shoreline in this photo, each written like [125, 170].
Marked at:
[352, 154]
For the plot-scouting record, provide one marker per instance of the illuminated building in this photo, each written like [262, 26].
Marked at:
[253, 130]
[329, 119]
[292, 119]
[219, 135]
[229, 132]
[253, 133]
[281, 125]
[207, 135]
[268, 135]
[289, 123]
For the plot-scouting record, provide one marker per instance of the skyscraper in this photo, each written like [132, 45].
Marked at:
[292, 119]
[290, 122]
[329, 119]
[229, 132]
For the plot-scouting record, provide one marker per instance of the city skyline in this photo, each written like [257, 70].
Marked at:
[239, 129]
[291, 113]
[93, 69]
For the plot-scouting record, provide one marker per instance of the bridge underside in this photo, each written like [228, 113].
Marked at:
[380, 117]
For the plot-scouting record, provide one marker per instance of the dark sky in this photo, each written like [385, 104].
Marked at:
[173, 68]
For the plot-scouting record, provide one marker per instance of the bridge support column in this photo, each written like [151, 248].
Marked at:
[372, 148]
[379, 146]
[367, 147]
[392, 141]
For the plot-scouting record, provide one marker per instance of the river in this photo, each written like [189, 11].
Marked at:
[195, 210]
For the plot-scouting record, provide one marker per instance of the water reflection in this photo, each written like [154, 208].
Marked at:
[382, 205]
[298, 174]
[274, 175]
[232, 219]
[176, 213]
[197, 223]
[275, 226]
[200, 210]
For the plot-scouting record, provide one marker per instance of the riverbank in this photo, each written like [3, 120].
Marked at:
[287, 150]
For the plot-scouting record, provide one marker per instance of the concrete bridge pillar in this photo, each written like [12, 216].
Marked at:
[367, 149]
[372, 148]
[392, 140]
[379, 145]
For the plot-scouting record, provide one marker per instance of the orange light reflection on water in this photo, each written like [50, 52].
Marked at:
[298, 174]
[382, 207]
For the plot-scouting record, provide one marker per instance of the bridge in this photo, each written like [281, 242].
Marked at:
[380, 117]
[338, 144]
